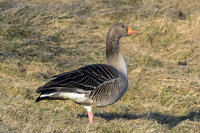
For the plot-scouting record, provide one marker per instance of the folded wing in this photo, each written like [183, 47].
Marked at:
[81, 81]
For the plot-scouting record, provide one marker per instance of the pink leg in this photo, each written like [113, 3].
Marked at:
[90, 115]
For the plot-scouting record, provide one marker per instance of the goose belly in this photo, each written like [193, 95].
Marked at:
[76, 97]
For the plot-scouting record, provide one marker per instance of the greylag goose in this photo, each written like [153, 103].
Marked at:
[94, 85]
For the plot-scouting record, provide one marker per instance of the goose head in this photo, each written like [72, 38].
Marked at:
[120, 30]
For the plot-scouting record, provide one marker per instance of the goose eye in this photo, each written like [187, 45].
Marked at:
[123, 26]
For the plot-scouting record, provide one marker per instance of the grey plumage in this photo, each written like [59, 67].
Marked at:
[93, 85]
[85, 80]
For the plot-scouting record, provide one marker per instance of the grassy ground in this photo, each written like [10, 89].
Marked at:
[41, 38]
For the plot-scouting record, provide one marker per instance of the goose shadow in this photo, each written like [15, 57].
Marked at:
[169, 120]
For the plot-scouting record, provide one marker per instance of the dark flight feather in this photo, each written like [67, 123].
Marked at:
[82, 80]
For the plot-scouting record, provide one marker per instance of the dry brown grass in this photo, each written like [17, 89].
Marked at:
[41, 38]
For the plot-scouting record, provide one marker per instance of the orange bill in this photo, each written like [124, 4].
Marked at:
[131, 32]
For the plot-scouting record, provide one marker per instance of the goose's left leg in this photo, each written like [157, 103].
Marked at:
[90, 114]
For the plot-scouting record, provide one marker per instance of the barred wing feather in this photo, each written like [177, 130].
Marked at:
[82, 80]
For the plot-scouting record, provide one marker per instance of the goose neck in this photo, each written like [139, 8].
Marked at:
[114, 56]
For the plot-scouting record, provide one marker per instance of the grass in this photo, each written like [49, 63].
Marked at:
[42, 38]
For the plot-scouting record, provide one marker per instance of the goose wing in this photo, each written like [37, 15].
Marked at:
[82, 80]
